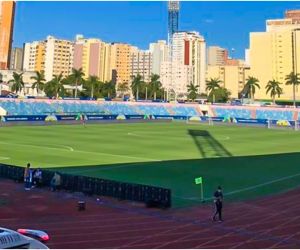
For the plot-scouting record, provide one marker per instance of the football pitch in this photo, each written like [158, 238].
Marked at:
[247, 162]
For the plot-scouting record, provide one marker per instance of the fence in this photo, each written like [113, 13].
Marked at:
[150, 195]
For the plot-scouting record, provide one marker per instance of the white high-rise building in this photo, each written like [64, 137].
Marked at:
[30, 56]
[58, 57]
[141, 64]
[188, 63]
[160, 54]
[53, 56]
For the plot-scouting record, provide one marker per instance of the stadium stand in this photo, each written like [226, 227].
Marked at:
[43, 107]
[274, 114]
[232, 112]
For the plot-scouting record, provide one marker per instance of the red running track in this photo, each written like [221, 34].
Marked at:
[271, 222]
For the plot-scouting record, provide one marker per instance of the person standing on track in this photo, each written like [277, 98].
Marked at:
[218, 201]
[27, 177]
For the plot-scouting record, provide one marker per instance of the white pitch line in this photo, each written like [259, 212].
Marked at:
[81, 151]
[244, 189]
[58, 147]
[4, 158]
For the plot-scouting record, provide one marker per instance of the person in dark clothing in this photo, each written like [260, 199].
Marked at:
[27, 177]
[218, 200]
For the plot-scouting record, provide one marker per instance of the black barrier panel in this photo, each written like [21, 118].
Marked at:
[152, 196]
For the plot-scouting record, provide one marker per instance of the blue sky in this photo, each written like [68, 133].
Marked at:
[226, 24]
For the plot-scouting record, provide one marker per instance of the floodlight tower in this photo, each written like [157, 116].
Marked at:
[173, 16]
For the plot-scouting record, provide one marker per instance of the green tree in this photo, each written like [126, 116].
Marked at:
[192, 91]
[77, 76]
[274, 88]
[250, 87]
[109, 89]
[212, 85]
[155, 85]
[136, 85]
[92, 84]
[123, 88]
[293, 79]
[17, 82]
[39, 79]
[55, 87]
[220, 95]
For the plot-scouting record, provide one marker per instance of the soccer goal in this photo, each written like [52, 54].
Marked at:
[193, 119]
[283, 124]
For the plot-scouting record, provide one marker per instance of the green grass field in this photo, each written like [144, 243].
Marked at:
[248, 162]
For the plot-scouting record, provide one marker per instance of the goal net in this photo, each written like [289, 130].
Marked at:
[283, 124]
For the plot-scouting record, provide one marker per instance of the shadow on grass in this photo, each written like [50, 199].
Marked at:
[207, 145]
[233, 173]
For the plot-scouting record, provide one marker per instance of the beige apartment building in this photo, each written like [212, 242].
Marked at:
[275, 53]
[216, 55]
[233, 77]
[93, 56]
[53, 56]
[120, 62]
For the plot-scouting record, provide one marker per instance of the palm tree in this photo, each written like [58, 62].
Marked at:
[212, 85]
[293, 79]
[17, 82]
[39, 81]
[93, 83]
[137, 83]
[77, 76]
[109, 88]
[274, 89]
[192, 91]
[155, 84]
[250, 86]
[56, 84]
[123, 88]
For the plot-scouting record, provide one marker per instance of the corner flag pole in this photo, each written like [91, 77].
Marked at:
[199, 181]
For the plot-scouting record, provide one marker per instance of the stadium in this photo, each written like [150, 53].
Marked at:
[134, 165]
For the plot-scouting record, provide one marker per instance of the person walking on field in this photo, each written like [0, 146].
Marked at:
[218, 202]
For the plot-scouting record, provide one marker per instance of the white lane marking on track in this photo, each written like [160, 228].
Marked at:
[82, 151]
[245, 189]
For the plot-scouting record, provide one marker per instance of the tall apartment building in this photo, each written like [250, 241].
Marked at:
[216, 55]
[141, 64]
[120, 63]
[93, 56]
[273, 54]
[188, 63]
[53, 56]
[16, 59]
[7, 12]
[34, 56]
[160, 54]
[232, 77]
[294, 15]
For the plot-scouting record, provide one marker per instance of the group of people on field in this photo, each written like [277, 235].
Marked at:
[34, 178]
